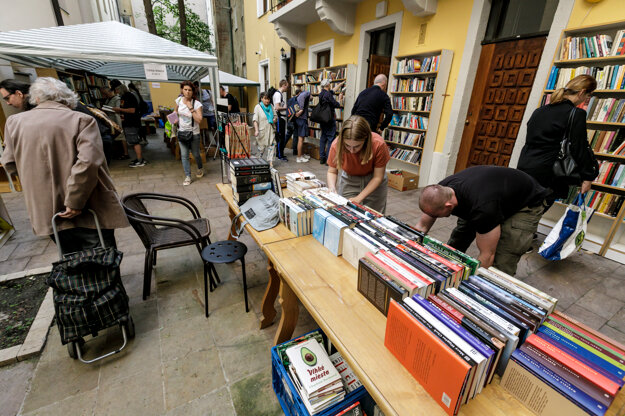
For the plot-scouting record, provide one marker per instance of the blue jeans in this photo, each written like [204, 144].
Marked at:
[325, 141]
[184, 154]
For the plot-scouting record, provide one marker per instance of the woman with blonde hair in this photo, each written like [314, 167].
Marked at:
[361, 157]
[546, 129]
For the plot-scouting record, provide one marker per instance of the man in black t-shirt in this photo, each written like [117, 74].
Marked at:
[131, 122]
[499, 207]
[233, 104]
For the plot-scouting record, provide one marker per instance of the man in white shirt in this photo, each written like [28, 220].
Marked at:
[279, 106]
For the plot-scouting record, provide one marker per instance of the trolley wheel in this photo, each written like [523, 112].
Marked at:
[73, 346]
[130, 328]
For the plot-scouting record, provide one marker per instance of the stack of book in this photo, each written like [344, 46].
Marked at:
[574, 369]
[296, 213]
[611, 173]
[298, 182]
[459, 338]
[605, 203]
[403, 137]
[410, 121]
[249, 178]
[314, 376]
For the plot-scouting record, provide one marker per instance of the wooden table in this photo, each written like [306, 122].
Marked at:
[326, 286]
[262, 238]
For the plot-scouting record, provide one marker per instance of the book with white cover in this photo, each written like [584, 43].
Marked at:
[312, 366]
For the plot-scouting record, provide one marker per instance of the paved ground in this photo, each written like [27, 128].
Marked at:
[181, 363]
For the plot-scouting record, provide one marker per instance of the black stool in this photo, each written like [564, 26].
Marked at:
[224, 252]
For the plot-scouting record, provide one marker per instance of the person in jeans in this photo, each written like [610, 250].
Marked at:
[131, 123]
[497, 207]
[328, 131]
[189, 118]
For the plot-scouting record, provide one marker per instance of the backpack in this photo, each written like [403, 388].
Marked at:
[291, 108]
[271, 92]
[143, 107]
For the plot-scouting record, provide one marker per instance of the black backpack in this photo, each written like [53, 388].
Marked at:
[271, 92]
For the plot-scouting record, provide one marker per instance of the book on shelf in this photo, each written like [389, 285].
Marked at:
[574, 47]
[405, 155]
[411, 121]
[422, 103]
[408, 66]
[413, 84]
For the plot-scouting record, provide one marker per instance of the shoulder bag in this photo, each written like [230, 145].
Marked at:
[186, 136]
[565, 166]
[322, 113]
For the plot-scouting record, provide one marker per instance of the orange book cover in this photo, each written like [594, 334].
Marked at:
[440, 371]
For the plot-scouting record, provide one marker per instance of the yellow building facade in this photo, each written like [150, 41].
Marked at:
[455, 25]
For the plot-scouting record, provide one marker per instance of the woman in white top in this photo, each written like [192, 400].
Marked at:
[189, 112]
[264, 122]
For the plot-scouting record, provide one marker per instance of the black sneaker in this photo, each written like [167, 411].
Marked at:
[322, 161]
[142, 162]
[133, 163]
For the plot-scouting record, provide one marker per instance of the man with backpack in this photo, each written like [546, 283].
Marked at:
[279, 106]
[301, 125]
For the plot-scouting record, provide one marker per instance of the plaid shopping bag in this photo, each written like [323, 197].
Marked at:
[88, 292]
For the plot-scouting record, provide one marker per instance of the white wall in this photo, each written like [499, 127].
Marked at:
[27, 14]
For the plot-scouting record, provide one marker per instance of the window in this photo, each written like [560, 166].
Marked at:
[262, 7]
[263, 74]
[517, 19]
[323, 59]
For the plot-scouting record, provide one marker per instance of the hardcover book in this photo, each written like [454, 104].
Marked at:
[377, 287]
[355, 247]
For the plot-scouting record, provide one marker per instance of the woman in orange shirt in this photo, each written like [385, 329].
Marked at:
[361, 156]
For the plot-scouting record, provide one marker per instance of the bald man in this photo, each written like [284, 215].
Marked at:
[373, 102]
[496, 206]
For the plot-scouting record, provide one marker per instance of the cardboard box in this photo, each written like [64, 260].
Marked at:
[403, 181]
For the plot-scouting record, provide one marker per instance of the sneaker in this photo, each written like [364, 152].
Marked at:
[322, 161]
[134, 163]
[139, 163]
[199, 173]
[283, 158]
[307, 157]
[301, 160]
[187, 181]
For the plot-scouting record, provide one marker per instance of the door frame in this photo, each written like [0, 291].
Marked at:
[443, 163]
[364, 44]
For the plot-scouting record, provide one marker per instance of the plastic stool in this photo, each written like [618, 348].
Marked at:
[224, 252]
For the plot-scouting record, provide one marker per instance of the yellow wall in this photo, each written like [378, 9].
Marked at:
[260, 35]
[449, 14]
[165, 95]
[588, 14]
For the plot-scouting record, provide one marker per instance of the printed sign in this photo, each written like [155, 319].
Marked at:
[155, 71]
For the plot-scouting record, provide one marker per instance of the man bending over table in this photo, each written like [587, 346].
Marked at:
[498, 207]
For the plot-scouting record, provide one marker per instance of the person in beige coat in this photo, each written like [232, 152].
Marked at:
[58, 155]
[264, 121]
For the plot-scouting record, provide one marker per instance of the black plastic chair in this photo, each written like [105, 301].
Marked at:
[224, 252]
[161, 233]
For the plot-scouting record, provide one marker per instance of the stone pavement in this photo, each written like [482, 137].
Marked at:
[180, 362]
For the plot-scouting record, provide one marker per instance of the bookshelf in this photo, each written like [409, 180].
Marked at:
[311, 81]
[87, 86]
[417, 96]
[597, 51]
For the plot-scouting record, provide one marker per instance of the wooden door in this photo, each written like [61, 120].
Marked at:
[378, 65]
[503, 82]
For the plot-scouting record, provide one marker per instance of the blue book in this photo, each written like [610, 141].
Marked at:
[319, 223]
[568, 390]
[333, 235]
[551, 79]
[583, 354]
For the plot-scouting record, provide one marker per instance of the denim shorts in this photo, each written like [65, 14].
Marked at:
[301, 127]
[132, 135]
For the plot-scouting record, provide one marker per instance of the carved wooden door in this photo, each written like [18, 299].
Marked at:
[503, 82]
[378, 65]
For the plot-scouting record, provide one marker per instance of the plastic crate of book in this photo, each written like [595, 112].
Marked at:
[290, 400]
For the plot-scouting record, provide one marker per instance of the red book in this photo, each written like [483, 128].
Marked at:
[441, 372]
[599, 380]
[410, 286]
[589, 332]
[406, 267]
[446, 308]
[457, 268]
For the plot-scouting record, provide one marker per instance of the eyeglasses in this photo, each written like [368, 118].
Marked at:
[6, 97]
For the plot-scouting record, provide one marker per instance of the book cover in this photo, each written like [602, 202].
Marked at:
[319, 224]
[587, 333]
[312, 366]
[250, 179]
[333, 235]
[377, 287]
[354, 247]
[535, 394]
[440, 371]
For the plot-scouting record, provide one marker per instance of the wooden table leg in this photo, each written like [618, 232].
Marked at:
[290, 312]
[233, 230]
[273, 286]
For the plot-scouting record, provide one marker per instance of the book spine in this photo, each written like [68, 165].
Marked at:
[573, 327]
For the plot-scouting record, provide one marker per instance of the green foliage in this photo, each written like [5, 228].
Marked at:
[198, 32]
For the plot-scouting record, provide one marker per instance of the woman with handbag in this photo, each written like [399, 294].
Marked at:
[189, 112]
[546, 129]
[361, 157]
[264, 121]
[328, 130]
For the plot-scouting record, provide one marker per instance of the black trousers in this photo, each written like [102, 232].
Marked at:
[280, 137]
[78, 239]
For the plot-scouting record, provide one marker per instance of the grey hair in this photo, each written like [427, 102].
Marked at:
[121, 89]
[325, 83]
[51, 89]
[380, 79]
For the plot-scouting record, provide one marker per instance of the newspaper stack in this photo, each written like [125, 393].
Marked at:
[314, 376]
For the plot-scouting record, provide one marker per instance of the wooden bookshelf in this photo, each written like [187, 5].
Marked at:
[310, 81]
[417, 92]
[606, 231]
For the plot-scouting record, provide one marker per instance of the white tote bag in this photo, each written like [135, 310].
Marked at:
[568, 234]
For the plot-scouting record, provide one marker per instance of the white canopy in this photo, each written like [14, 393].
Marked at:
[232, 80]
[110, 49]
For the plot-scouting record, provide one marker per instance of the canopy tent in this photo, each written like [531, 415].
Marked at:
[232, 80]
[110, 49]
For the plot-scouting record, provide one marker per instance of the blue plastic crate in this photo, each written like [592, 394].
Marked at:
[289, 398]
